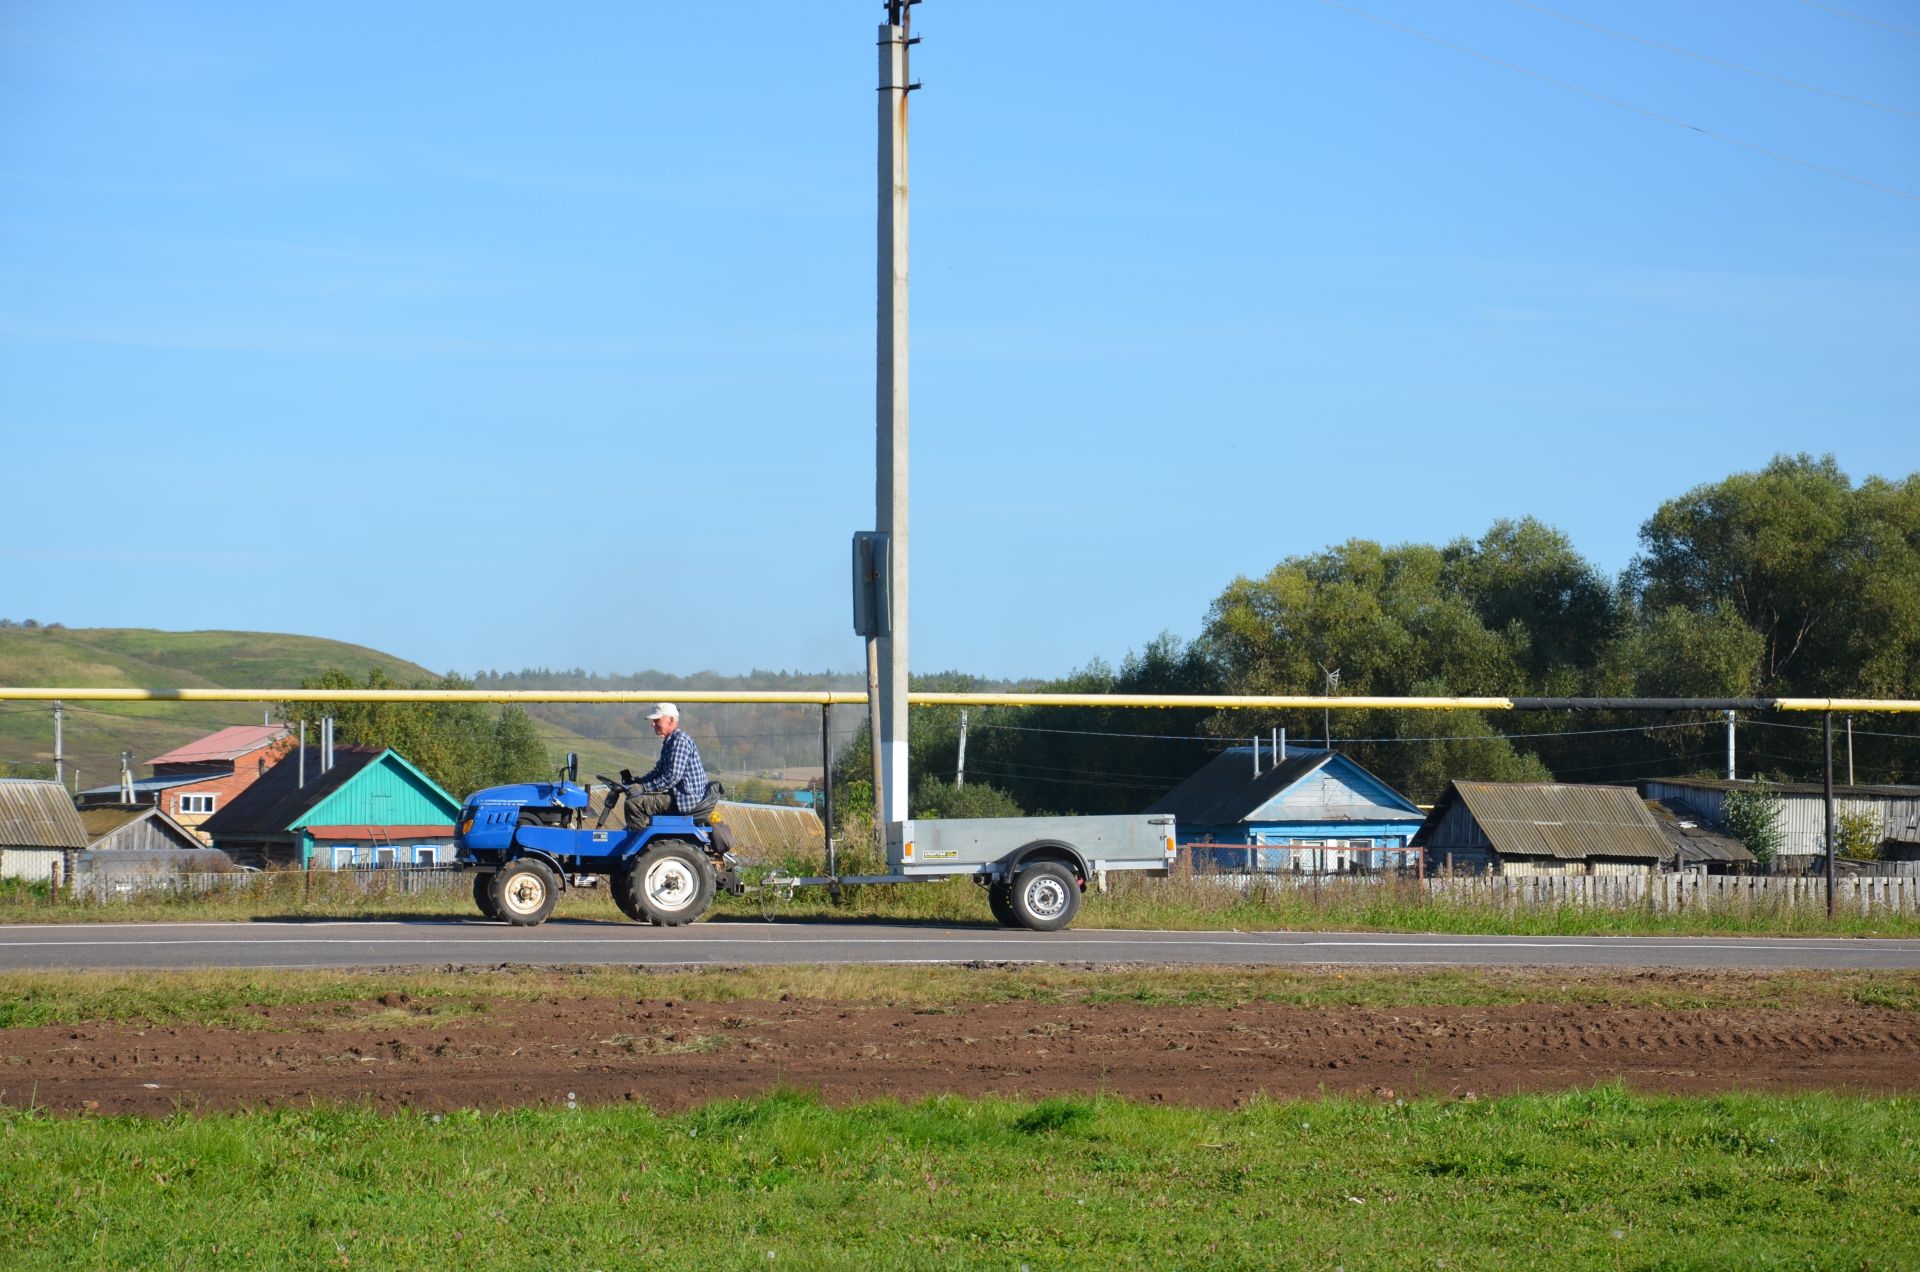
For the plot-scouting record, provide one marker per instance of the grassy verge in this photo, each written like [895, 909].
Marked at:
[251, 999]
[1599, 1179]
[1131, 903]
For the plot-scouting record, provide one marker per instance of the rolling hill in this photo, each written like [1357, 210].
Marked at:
[733, 739]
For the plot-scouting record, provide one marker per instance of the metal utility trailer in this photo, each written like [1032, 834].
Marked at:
[1034, 869]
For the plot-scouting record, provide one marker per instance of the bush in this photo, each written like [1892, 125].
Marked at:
[1753, 817]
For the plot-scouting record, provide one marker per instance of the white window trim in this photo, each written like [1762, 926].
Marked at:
[180, 802]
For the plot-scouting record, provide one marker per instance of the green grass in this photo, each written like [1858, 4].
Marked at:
[1132, 903]
[1595, 1179]
[259, 1000]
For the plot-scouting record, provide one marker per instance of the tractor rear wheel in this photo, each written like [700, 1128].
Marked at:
[671, 883]
[622, 888]
[524, 892]
[483, 895]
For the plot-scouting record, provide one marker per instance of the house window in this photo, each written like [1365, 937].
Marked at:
[425, 855]
[343, 857]
[196, 803]
[386, 857]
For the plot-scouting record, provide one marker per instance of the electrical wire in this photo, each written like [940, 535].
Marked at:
[1857, 17]
[1483, 737]
[1622, 105]
[1732, 66]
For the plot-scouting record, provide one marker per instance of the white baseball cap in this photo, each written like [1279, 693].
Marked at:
[664, 709]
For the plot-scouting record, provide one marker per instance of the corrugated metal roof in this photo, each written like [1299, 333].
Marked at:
[275, 801]
[35, 814]
[442, 831]
[148, 784]
[1692, 836]
[1572, 823]
[1225, 791]
[1788, 788]
[227, 744]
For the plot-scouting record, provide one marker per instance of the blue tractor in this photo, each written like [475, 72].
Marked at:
[528, 842]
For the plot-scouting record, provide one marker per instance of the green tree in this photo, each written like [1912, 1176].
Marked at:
[1753, 815]
[460, 745]
[935, 798]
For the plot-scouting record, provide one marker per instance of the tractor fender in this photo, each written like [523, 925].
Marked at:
[1048, 850]
[692, 838]
[545, 858]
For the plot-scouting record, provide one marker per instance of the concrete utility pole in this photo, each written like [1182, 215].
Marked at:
[58, 758]
[890, 801]
[1730, 776]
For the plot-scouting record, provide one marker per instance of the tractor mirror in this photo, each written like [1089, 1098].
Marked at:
[573, 766]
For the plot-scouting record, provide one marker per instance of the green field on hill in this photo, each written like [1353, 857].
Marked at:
[95, 733]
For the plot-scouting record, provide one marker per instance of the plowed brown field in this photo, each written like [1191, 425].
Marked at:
[670, 1054]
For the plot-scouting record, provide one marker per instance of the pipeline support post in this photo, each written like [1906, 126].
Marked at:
[1827, 788]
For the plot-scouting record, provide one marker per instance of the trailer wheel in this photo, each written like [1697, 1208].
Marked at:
[1045, 896]
[483, 895]
[1000, 901]
[524, 892]
[671, 884]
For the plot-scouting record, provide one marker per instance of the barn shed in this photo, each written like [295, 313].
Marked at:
[1530, 828]
[39, 830]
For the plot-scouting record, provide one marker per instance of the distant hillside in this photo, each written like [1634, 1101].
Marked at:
[733, 739]
[113, 657]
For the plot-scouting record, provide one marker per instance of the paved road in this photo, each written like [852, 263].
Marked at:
[346, 944]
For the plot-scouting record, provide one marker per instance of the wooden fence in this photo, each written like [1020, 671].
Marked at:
[1684, 893]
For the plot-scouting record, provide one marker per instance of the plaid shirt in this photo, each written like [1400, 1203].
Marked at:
[679, 771]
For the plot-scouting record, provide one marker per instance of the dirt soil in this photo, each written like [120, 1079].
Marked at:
[397, 1052]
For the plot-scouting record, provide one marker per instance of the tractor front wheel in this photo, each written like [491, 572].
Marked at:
[483, 895]
[524, 892]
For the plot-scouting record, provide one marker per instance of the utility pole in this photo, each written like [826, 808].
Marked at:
[1730, 766]
[890, 405]
[960, 771]
[1849, 750]
[58, 758]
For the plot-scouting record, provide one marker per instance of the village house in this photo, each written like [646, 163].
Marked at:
[1315, 811]
[132, 828]
[1539, 828]
[1803, 813]
[39, 831]
[190, 783]
[355, 806]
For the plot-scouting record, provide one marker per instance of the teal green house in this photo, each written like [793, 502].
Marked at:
[368, 807]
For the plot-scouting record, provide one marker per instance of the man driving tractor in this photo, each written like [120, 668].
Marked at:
[678, 783]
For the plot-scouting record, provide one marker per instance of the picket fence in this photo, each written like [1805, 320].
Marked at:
[1681, 893]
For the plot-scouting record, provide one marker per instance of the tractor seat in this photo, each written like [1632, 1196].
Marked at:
[703, 811]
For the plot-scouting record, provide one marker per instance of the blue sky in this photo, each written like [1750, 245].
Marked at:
[496, 336]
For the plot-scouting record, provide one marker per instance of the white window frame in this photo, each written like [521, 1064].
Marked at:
[180, 804]
[343, 856]
[426, 855]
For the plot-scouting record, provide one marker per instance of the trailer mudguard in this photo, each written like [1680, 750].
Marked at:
[1050, 850]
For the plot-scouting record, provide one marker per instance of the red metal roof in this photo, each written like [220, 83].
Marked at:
[228, 744]
[386, 832]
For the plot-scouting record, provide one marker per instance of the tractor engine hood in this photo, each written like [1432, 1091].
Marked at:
[556, 794]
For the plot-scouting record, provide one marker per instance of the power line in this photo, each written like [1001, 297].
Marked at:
[1479, 737]
[1623, 105]
[1814, 4]
[1732, 66]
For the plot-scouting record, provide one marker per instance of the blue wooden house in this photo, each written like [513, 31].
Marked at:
[362, 806]
[1315, 811]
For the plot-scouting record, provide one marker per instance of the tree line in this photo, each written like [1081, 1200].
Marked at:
[1792, 581]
